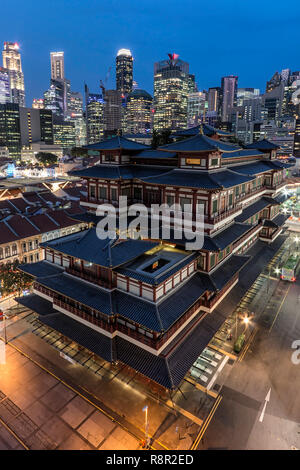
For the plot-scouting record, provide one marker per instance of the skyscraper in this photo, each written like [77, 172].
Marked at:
[4, 86]
[10, 135]
[214, 99]
[138, 112]
[196, 108]
[57, 65]
[229, 96]
[171, 88]
[12, 62]
[94, 116]
[55, 97]
[35, 126]
[113, 111]
[124, 71]
[75, 114]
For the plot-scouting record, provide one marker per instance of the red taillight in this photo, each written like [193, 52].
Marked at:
[293, 279]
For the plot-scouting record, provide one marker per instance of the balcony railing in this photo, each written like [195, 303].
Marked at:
[223, 215]
[248, 234]
[276, 185]
[88, 277]
[112, 325]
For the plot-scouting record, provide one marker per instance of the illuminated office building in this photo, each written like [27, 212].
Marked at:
[229, 96]
[36, 126]
[246, 94]
[12, 62]
[214, 99]
[113, 112]
[171, 88]
[197, 107]
[57, 65]
[94, 116]
[124, 71]
[10, 135]
[54, 98]
[4, 86]
[138, 112]
[64, 133]
[297, 139]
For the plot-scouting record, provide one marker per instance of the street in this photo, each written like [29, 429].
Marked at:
[240, 421]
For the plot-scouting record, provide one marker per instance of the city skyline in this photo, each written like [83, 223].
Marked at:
[246, 58]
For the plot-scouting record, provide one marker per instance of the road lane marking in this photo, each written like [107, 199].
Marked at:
[206, 423]
[14, 434]
[267, 399]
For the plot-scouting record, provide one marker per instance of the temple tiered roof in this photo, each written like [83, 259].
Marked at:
[108, 253]
[116, 143]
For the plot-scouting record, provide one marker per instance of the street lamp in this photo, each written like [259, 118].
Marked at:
[246, 321]
[3, 316]
[145, 409]
[277, 271]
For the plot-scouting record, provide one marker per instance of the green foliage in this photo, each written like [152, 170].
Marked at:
[12, 280]
[46, 158]
[78, 152]
[160, 138]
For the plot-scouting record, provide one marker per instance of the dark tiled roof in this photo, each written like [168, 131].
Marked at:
[36, 303]
[130, 272]
[41, 269]
[253, 168]
[198, 143]
[280, 219]
[115, 172]
[116, 143]
[154, 367]
[262, 145]
[228, 269]
[229, 235]
[242, 153]
[198, 179]
[269, 223]
[161, 316]
[255, 208]
[81, 334]
[153, 154]
[207, 130]
[83, 292]
[87, 246]
[22, 226]
[6, 234]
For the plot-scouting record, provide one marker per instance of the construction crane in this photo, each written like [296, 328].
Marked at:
[103, 84]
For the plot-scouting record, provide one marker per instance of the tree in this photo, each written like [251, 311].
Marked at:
[46, 158]
[78, 152]
[161, 138]
[12, 280]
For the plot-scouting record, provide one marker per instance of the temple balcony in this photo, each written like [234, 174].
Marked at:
[94, 279]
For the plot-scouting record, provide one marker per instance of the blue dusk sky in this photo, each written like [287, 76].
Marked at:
[248, 38]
